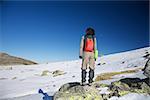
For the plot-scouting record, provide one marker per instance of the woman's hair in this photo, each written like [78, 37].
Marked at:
[90, 31]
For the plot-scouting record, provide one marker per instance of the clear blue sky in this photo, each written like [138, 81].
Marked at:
[51, 31]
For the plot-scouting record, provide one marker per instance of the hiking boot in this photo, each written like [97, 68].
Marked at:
[90, 82]
[83, 83]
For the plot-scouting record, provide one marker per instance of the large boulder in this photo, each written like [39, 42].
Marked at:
[129, 85]
[147, 69]
[74, 91]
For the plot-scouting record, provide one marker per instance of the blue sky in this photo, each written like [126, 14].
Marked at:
[51, 31]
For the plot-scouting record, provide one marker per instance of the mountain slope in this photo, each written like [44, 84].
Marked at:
[22, 83]
[6, 59]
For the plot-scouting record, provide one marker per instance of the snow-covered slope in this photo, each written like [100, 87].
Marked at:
[22, 82]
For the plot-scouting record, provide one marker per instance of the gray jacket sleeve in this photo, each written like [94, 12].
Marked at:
[81, 46]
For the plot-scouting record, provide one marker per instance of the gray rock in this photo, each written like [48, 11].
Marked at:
[74, 91]
[129, 85]
[147, 69]
[58, 73]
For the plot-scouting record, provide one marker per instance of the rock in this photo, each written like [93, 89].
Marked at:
[58, 72]
[118, 88]
[99, 64]
[147, 70]
[98, 85]
[147, 56]
[45, 73]
[118, 85]
[3, 78]
[122, 62]
[14, 78]
[74, 91]
[54, 73]
[131, 81]
[145, 88]
[128, 85]
[105, 96]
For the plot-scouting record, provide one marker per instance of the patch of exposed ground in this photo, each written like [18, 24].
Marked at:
[109, 75]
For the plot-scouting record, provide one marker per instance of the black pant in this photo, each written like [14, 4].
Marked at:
[91, 75]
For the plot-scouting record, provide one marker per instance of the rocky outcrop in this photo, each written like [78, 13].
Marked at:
[58, 73]
[126, 86]
[147, 69]
[54, 73]
[129, 85]
[74, 91]
[6, 59]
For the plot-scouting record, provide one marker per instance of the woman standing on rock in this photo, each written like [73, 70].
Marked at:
[88, 54]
